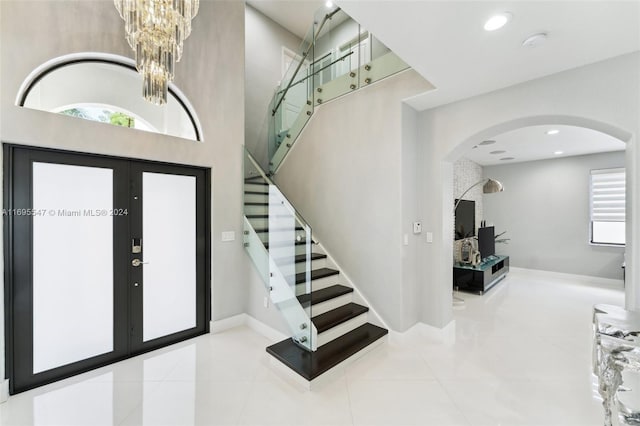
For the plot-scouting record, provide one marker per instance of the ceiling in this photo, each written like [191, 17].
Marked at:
[445, 42]
[294, 15]
[533, 143]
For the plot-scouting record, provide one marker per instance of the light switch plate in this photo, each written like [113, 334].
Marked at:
[228, 235]
[417, 227]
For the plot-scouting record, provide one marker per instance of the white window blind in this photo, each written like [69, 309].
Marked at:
[608, 206]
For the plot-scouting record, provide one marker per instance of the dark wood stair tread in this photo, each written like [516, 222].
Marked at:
[299, 258]
[259, 230]
[256, 192]
[316, 274]
[314, 256]
[256, 204]
[266, 216]
[334, 317]
[312, 364]
[324, 294]
[283, 244]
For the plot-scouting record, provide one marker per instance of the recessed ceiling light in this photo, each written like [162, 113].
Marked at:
[497, 21]
[559, 152]
[553, 132]
[497, 152]
[507, 158]
[489, 142]
[535, 40]
[329, 4]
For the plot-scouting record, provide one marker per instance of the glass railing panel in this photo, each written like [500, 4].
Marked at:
[278, 239]
[378, 62]
[292, 103]
[337, 57]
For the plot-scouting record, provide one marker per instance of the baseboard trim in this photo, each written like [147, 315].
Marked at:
[580, 279]
[227, 323]
[259, 327]
[4, 391]
[265, 330]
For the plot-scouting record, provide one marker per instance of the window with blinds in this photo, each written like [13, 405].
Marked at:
[608, 206]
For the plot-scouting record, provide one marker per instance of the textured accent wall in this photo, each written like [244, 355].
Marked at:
[465, 174]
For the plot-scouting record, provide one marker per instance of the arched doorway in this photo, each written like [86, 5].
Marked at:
[492, 131]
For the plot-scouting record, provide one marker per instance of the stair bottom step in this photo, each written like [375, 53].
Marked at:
[312, 364]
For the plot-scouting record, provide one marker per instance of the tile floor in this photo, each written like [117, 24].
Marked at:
[519, 355]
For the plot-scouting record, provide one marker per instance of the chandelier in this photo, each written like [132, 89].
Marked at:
[156, 30]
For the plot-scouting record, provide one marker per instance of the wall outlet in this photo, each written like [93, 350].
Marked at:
[266, 302]
[228, 236]
[429, 237]
[417, 227]
[405, 239]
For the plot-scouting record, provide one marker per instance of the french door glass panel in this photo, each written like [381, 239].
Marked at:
[72, 264]
[169, 249]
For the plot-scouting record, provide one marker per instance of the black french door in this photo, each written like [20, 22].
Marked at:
[105, 258]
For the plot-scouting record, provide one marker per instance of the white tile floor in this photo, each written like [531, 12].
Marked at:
[519, 355]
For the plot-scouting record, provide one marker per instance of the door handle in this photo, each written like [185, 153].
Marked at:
[138, 262]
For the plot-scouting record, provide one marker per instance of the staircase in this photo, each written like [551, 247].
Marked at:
[327, 319]
[341, 325]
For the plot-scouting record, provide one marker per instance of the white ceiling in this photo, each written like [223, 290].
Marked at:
[294, 15]
[532, 143]
[445, 42]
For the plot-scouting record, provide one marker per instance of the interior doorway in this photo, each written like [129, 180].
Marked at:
[105, 258]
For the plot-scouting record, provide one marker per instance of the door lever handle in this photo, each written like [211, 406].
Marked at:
[138, 262]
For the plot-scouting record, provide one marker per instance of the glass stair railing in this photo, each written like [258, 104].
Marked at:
[336, 57]
[279, 242]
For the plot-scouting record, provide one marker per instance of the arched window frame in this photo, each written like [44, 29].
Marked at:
[87, 57]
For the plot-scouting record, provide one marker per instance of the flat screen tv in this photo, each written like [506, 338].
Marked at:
[486, 241]
[465, 219]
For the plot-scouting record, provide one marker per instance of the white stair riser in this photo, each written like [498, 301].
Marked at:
[249, 209]
[321, 308]
[339, 330]
[258, 223]
[254, 187]
[319, 284]
[283, 252]
[256, 198]
[288, 236]
[315, 264]
[275, 222]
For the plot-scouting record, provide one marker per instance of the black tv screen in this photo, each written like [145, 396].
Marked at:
[486, 241]
[465, 219]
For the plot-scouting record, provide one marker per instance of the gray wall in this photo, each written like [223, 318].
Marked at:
[545, 211]
[345, 176]
[263, 58]
[601, 96]
[210, 74]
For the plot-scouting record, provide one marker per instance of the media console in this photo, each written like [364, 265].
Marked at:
[480, 278]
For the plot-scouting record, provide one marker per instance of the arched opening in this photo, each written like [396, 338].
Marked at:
[486, 140]
[105, 88]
